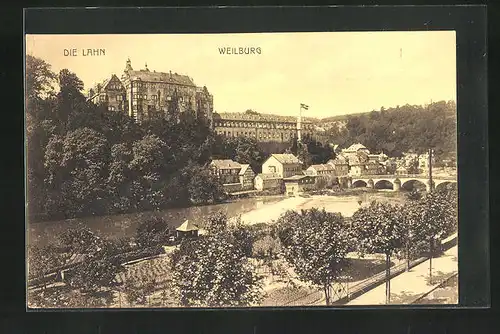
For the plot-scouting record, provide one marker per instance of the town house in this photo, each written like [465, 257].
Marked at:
[285, 165]
[226, 170]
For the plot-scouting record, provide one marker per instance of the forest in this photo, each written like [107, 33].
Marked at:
[403, 129]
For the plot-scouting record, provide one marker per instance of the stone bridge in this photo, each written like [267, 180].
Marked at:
[396, 182]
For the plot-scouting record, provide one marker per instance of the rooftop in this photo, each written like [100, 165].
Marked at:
[173, 78]
[296, 177]
[269, 176]
[356, 147]
[187, 226]
[225, 163]
[286, 158]
[323, 167]
[244, 168]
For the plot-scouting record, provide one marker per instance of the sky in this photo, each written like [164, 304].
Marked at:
[334, 73]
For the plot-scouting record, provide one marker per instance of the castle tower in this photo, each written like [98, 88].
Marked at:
[128, 66]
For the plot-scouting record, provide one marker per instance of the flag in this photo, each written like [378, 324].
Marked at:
[306, 107]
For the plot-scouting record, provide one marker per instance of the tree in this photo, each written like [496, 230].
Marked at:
[94, 273]
[40, 79]
[76, 167]
[436, 218]
[216, 222]
[41, 260]
[148, 170]
[412, 238]
[378, 229]
[70, 98]
[266, 248]
[213, 272]
[315, 243]
[203, 187]
[152, 232]
[80, 240]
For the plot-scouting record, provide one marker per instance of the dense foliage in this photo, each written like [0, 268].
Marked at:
[214, 272]
[316, 244]
[379, 229]
[402, 129]
[84, 160]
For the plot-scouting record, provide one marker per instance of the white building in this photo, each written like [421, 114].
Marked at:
[284, 165]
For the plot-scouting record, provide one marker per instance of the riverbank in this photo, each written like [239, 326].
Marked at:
[258, 209]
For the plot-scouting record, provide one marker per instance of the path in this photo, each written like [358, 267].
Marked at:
[407, 287]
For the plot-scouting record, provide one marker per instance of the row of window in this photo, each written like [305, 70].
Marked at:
[290, 126]
[265, 135]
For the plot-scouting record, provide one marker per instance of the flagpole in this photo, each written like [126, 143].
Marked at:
[299, 125]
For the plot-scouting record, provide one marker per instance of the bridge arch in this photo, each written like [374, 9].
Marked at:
[446, 185]
[359, 184]
[413, 185]
[383, 184]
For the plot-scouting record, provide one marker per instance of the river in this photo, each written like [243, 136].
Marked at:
[252, 210]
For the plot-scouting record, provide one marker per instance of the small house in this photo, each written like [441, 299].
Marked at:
[340, 164]
[298, 184]
[226, 170]
[324, 171]
[268, 181]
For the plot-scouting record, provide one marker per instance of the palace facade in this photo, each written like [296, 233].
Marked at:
[142, 93]
[263, 127]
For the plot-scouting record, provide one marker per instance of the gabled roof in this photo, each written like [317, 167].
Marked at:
[244, 168]
[269, 176]
[187, 226]
[286, 158]
[96, 89]
[173, 78]
[356, 147]
[225, 164]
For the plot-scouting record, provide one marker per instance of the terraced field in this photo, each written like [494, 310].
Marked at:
[147, 270]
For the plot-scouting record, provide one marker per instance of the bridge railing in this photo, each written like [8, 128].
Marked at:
[404, 176]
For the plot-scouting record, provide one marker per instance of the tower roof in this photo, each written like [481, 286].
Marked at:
[187, 226]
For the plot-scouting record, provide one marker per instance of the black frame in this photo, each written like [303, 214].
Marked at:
[469, 22]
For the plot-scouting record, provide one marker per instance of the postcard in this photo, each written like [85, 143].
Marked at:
[241, 170]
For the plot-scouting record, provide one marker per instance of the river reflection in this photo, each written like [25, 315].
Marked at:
[125, 225]
[252, 210]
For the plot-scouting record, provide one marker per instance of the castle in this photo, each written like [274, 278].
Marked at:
[141, 93]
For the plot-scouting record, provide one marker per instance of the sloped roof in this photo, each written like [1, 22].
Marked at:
[102, 85]
[322, 167]
[244, 168]
[173, 78]
[296, 177]
[356, 147]
[269, 176]
[187, 226]
[225, 164]
[286, 158]
[339, 160]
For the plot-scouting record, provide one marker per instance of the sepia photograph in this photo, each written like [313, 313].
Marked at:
[243, 170]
